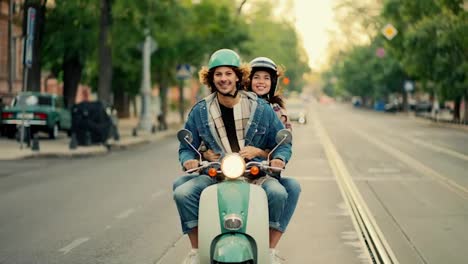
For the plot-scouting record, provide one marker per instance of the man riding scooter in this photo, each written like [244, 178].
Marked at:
[227, 121]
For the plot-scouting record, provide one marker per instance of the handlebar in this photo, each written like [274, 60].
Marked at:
[261, 165]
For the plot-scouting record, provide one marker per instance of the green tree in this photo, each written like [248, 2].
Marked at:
[69, 41]
[432, 44]
[277, 39]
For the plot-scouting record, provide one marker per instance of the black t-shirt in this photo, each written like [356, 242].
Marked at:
[227, 115]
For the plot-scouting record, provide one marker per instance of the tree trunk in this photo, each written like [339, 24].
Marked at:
[33, 82]
[406, 106]
[105, 54]
[456, 109]
[465, 101]
[122, 103]
[72, 69]
[135, 109]
[162, 119]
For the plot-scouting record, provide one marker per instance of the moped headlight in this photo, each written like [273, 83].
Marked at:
[233, 166]
[233, 222]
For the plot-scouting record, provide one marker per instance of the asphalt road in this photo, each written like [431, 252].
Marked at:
[412, 175]
[118, 208]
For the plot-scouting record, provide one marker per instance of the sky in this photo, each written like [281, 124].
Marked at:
[313, 19]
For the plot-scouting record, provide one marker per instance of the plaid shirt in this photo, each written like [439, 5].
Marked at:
[282, 115]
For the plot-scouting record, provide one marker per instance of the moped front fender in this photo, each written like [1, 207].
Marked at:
[210, 228]
[234, 248]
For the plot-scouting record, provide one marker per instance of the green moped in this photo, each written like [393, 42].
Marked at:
[233, 224]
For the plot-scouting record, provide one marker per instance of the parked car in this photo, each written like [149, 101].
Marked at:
[423, 106]
[40, 111]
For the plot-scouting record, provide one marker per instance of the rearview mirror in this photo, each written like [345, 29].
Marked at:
[185, 136]
[283, 136]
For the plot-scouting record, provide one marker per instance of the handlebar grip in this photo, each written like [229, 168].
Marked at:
[192, 170]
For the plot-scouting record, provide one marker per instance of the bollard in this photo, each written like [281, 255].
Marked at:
[135, 132]
[116, 133]
[35, 143]
[28, 136]
[87, 138]
[73, 141]
[23, 136]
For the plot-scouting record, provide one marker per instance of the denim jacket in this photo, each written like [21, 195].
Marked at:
[260, 132]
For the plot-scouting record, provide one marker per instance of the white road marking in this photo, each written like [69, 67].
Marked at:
[383, 170]
[440, 149]
[125, 214]
[459, 189]
[73, 245]
[396, 177]
[365, 223]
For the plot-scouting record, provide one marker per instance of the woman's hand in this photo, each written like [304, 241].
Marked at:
[250, 152]
[190, 164]
[210, 155]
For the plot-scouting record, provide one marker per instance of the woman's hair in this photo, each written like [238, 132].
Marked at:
[206, 76]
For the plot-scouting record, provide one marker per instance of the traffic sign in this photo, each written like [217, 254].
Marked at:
[380, 52]
[28, 44]
[28, 57]
[31, 21]
[184, 71]
[389, 31]
[409, 86]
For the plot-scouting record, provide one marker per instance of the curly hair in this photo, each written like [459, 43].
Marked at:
[206, 76]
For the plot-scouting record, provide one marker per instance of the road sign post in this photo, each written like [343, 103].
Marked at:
[149, 46]
[183, 72]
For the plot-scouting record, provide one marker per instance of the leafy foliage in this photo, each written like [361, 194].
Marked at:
[184, 33]
[431, 47]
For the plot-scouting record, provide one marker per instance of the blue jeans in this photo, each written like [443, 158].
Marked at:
[187, 191]
[293, 188]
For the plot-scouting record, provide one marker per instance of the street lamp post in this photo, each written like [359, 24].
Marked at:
[149, 46]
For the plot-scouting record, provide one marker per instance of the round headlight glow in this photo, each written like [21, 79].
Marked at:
[233, 166]
[233, 222]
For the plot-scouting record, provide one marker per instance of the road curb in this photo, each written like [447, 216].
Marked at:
[90, 151]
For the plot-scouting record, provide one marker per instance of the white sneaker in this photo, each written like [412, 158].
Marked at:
[274, 258]
[192, 257]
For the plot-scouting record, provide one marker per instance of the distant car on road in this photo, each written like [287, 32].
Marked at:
[297, 111]
[41, 111]
[423, 106]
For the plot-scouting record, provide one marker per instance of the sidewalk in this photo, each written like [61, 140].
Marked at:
[10, 148]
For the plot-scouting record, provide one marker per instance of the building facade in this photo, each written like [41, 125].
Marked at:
[16, 66]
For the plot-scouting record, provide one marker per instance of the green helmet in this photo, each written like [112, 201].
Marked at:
[224, 57]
